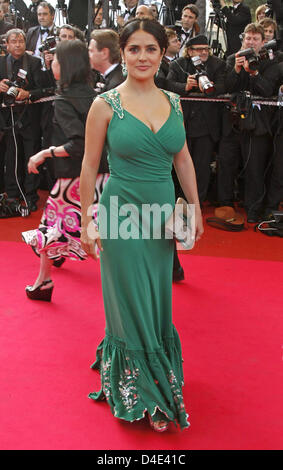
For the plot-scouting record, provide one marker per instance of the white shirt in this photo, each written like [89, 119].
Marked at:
[169, 58]
[184, 39]
[127, 15]
[41, 39]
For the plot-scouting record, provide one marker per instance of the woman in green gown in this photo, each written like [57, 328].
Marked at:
[139, 358]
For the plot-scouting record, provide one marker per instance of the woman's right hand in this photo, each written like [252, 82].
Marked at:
[35, 161]
[91, 244]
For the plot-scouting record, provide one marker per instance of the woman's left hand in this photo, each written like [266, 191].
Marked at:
[199, 226]
[35, 161]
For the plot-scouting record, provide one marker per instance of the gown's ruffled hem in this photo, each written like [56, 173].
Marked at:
[136, 382]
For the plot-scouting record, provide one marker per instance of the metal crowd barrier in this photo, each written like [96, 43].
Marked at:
[271, 101]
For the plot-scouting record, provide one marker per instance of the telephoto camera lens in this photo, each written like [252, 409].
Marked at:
[201, 76]
[206, 84]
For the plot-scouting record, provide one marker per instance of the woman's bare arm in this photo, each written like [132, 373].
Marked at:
[96, 128]
[186, 174]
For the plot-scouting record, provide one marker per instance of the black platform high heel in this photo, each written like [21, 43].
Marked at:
[39, 293]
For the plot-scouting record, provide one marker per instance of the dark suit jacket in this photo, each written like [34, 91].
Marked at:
[33, 81]
[179, 30]
[132, 15]
[31, 41]
[265, 84]
[181, 68]
[160, 78]
[114, 78]
[201, 118]
[70, 112]
[235, 25]
[164, 67]
[32, 38]
[34, 76]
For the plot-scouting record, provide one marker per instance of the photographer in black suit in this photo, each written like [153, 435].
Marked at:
[189, 26]
[237, 18]
[38, 34]
[202, 119]
[247, 142]
[43, 112]
[17, 59]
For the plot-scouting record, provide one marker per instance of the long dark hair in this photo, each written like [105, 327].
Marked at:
[152, 27]
[74, 63]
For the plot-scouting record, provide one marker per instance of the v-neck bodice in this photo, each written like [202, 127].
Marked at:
[145, 125]
[135, 152]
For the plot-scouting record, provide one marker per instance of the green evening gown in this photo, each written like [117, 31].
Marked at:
[139, 359]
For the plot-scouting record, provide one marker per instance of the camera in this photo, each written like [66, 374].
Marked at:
[201, 76]
[12, 93]
[240, 107]
[48, 45]
[216, 5]
[61, 4]
[251, 57]
[268, 12]
[267, 51]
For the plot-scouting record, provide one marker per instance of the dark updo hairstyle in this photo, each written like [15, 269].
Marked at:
[152, 27]
[74, 63]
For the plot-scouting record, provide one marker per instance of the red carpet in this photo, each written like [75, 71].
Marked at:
[229, 315]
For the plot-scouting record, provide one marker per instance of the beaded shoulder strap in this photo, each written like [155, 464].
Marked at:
[175, 101]
[112, 97]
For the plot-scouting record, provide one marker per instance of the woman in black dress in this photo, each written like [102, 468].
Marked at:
[58, 235]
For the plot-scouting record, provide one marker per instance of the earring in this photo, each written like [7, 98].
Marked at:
[124, 69]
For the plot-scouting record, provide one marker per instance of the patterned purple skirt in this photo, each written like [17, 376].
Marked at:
[58, 234]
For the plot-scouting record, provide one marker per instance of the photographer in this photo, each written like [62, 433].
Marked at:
[38, 45]
[189, 27]
[247, 132]
[10, 66]
[237, 18]
[176, 8]
[37, 35]
[202, 119]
